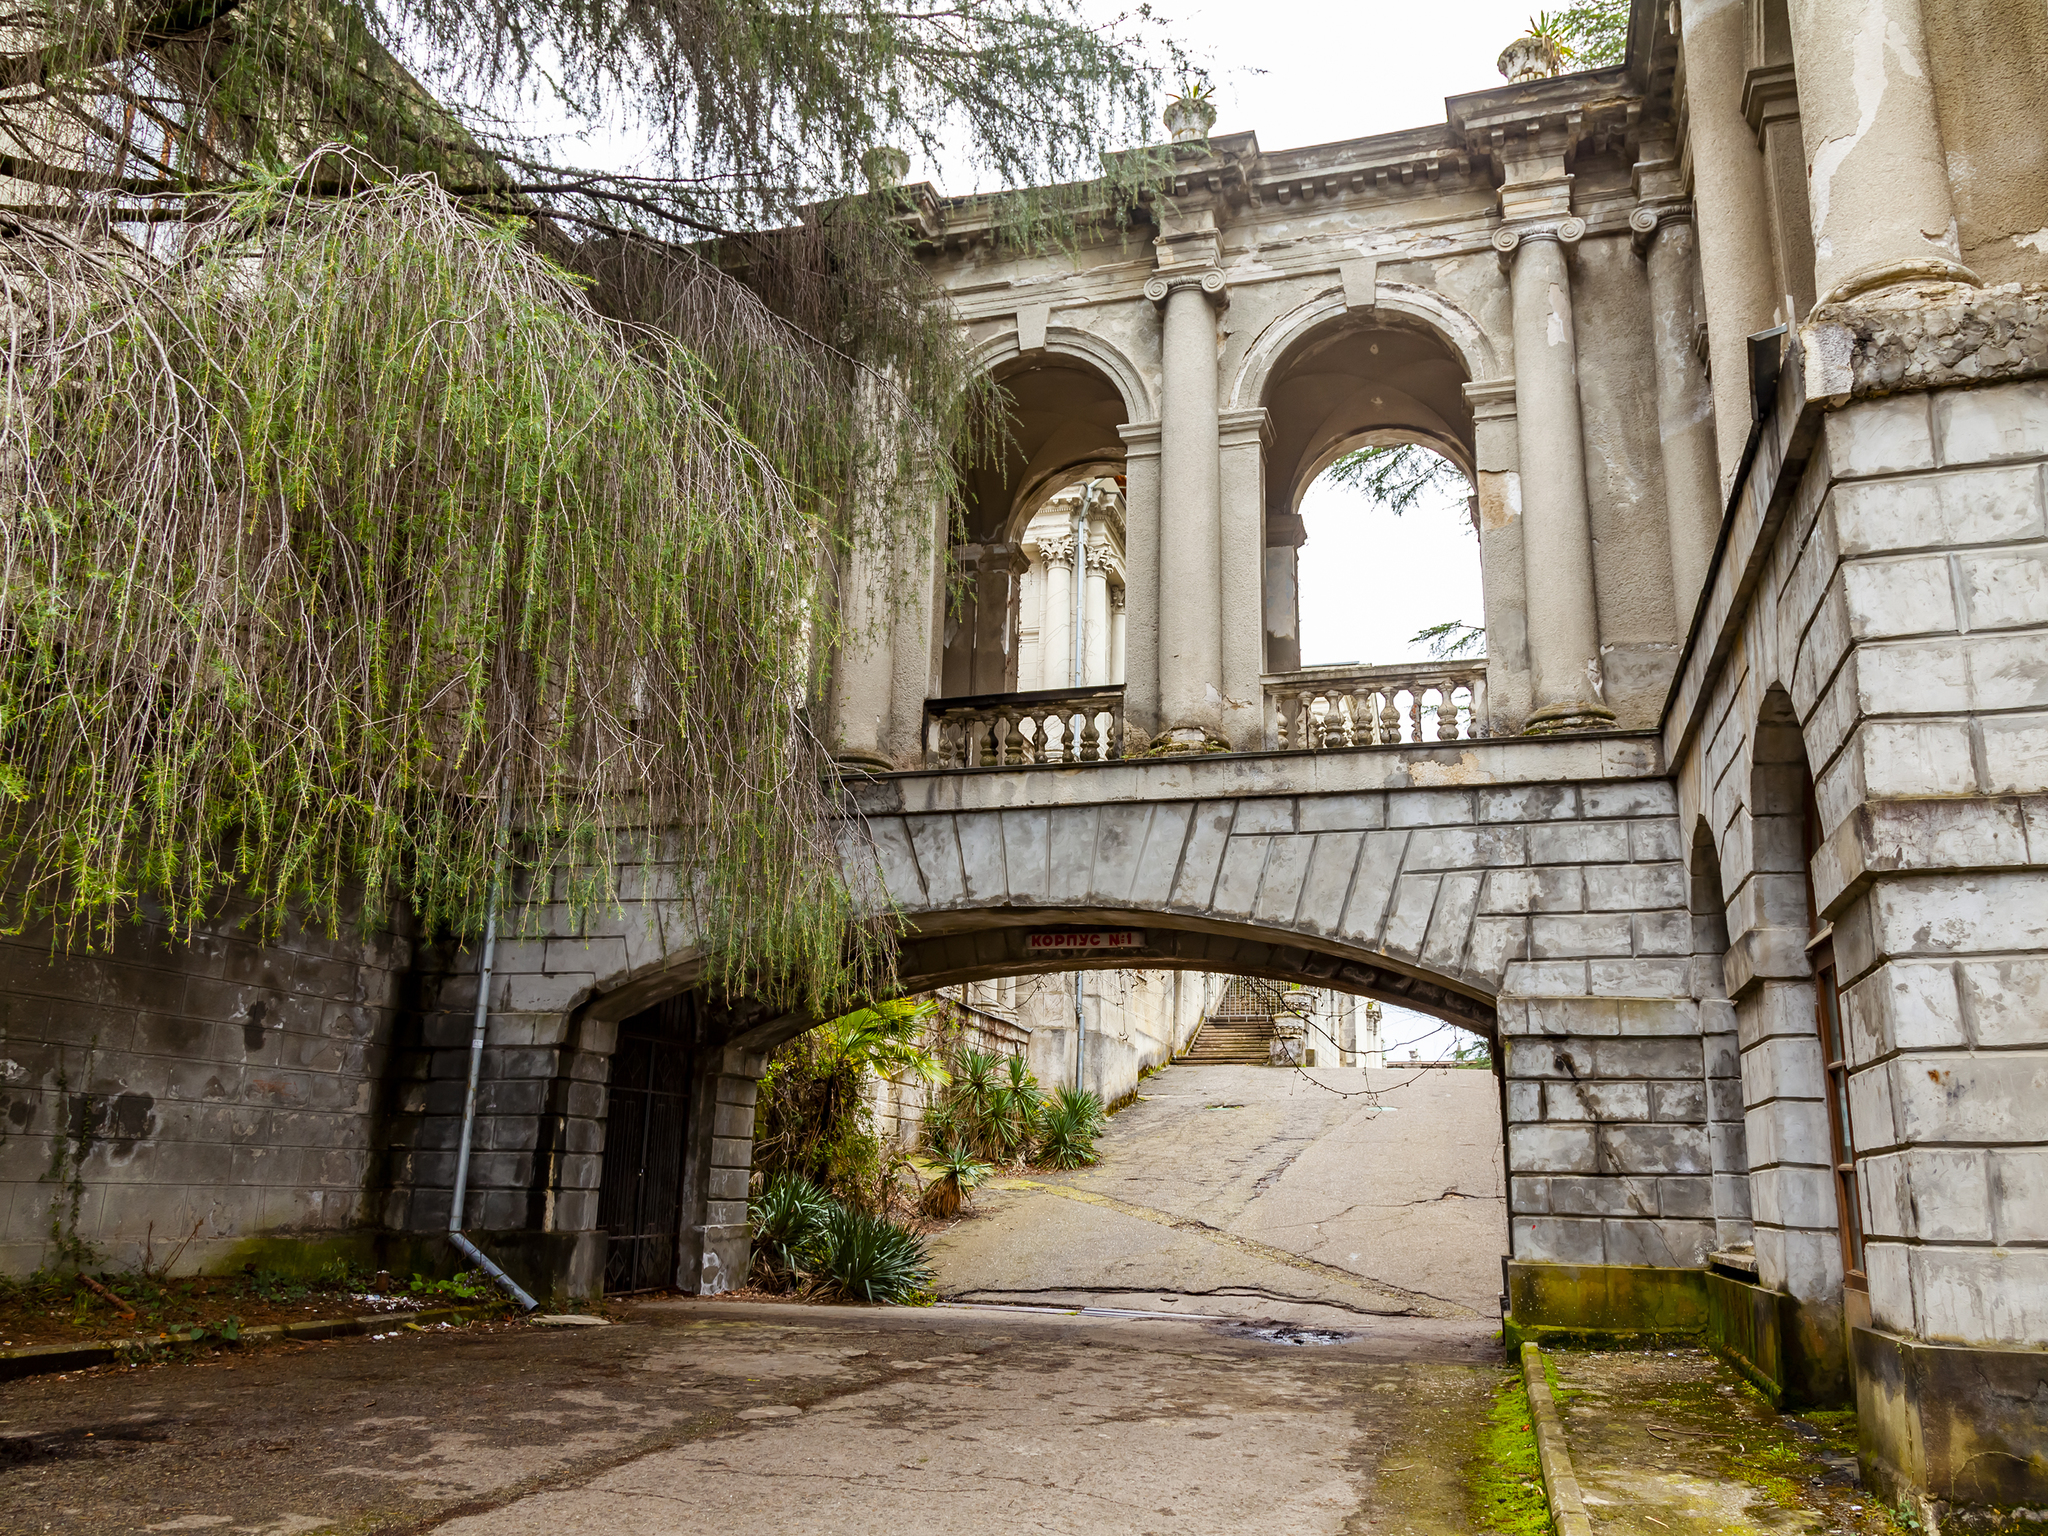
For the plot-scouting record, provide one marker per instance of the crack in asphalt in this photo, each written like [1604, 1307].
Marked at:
[1414, 1303]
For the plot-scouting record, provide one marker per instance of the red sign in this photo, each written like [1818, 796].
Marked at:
[1088, 941]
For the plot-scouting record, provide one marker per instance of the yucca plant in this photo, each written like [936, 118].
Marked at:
[870, 1258]
[1068, 1124]
[1014, 1112]
[955, 1176]
[790, 1218]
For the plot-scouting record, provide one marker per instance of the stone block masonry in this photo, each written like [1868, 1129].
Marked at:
[218, 1086]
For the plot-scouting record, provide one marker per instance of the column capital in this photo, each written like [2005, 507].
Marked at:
[1211, 282]
[1285, 530]
[1058, 550]
[1141, 439]
[1510, 238]
[1650, 216]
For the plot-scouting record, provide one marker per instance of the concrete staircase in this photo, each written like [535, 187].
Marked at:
[1239, 1029]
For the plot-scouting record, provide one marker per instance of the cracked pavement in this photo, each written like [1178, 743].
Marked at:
[712, 1415]
[733, 1417]
[1251, 1190]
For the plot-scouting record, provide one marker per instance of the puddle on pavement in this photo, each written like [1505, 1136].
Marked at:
[1287, 1333]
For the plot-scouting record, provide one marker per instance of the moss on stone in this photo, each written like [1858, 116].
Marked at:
[1504, 1484]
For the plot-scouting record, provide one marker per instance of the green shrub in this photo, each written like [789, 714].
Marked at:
[1068, 1124]
[873, 1259]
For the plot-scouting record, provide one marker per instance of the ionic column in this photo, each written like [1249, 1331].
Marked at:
[1190, 520]
[1685, 405]
[1095, 639]
[1557, 548]
[1056, 635]
[1877, 178]
[1736, 273]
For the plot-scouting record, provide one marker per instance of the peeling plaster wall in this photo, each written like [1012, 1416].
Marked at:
[1989, 61]
[1624, 479]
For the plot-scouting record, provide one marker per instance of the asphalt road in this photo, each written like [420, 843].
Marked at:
[708, 1416]
[1336, 1196]
[1234, 1197]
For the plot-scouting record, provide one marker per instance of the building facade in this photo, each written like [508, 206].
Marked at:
[1735, 844]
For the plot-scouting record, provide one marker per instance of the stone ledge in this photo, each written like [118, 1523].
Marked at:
[1953, 1427]
[1947, 335]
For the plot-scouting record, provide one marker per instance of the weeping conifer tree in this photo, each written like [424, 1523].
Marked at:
[385, 497]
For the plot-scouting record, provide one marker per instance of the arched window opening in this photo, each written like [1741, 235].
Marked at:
[1061, 458]
[1070, 598]
[1390, 563]
[1373, 591]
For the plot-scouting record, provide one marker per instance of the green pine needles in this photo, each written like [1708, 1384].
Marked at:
[363, 513]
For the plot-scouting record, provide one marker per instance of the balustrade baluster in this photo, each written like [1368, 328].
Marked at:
[1091, 738]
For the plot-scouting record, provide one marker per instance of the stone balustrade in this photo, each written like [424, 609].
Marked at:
[1010, 730]
[1406, 703]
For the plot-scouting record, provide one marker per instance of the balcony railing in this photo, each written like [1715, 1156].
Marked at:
[1404, 704]
[1007, 730]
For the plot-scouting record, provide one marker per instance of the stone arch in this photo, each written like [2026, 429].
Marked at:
[1085, 346]
[1465, 338]
[1068, 401]
[1773, 926]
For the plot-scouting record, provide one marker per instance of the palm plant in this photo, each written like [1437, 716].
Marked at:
[956, 1175]
[1068, 1124]
[977, 1095]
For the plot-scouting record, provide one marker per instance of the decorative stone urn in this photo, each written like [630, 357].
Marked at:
[1529, 58]
[1189, 119]
[885, 166]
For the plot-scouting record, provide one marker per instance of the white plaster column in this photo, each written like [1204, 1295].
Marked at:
[1557, 547]
[1118, 639]
[1877, 178]
[1056, 635]
[1737, 277]
[1095, 638]
[1140, 656]
[1190, 535]
[863, 672]
[917, 635]
[1243, 437]
[1502, 570]
[1685, 404]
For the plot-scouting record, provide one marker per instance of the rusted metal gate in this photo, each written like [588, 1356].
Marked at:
[639, 1201]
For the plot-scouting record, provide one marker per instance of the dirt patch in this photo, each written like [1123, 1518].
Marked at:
[142, 1309]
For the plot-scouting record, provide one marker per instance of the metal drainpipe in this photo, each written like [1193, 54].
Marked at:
[1080, 1037]
[475, 1254]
